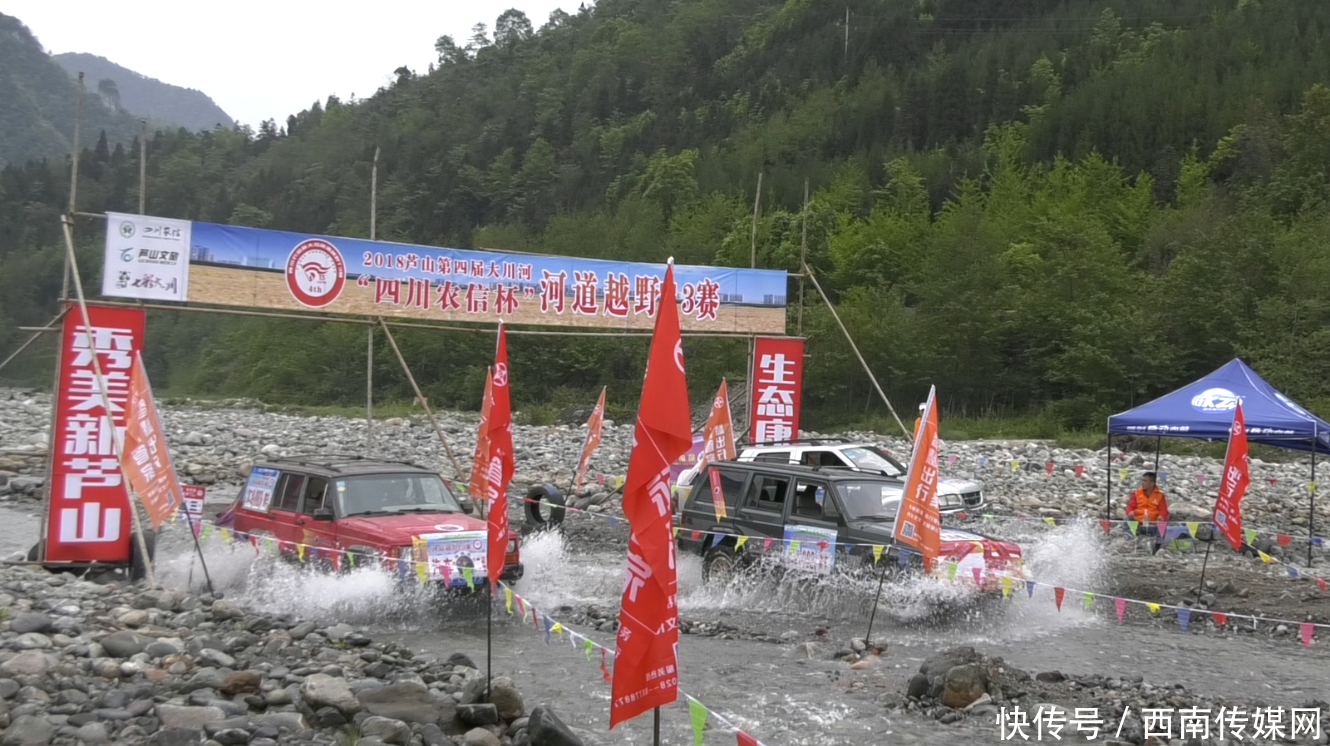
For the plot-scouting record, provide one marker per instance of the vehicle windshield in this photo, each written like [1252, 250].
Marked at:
[872, 458]
[394, 493]
[869, 500]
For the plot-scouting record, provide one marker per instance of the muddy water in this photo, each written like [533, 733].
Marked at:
[773, 690]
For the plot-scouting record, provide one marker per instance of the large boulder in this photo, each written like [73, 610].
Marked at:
[386, 730]
[28, 729]
[546, 729]
[940, 663]
[322, 690]
[404, 700]
[963, 685]
[505, 697]
[30, 621]
[27, 663]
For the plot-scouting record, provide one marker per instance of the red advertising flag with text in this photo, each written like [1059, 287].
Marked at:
[719, 431]
[918, 523]
[145, 460]
[500, 470]
[646, 667]
[778, 377]
[1233, 485]
[480, 466]
[594, 425]
[89, 516]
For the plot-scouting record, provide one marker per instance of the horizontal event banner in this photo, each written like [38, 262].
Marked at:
[257, 268]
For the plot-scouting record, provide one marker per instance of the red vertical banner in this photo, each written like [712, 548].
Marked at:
[145, 459]
[480, 466]
[1232, 487]
[89, 517]
[778, 380]
[918, 523]
[719, 433]
[594, 426]
[646, 665]
[500, 471]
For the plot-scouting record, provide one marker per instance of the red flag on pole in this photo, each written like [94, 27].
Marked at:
[718, 442]
[1228, 508]
[500, 469]
[918, 523]
[146, 463]
[646, 664]
[480, 467]
[594, 425]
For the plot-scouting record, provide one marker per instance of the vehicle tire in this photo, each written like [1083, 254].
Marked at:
[138, 564]
[38, 551]
[720, 564]
[537, 500]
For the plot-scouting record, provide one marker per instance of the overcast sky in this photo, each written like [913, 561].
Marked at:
[262, 60]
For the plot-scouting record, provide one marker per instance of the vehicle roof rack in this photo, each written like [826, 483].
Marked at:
[800, 442]
[337, 462]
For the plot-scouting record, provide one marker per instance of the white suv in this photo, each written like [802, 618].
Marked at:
[953, 495]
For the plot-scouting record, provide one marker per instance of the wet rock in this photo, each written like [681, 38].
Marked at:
[329, 717]
[918, 686]
[546, 729]
[160, 649]
[93, 733]
[386, 730]
[461, 659]
[208, 678]
[480, 737]
[30, 621]
[322, 690]
[405, 700]
[191, 717]
[231, 737]
[125, 644]
[303, 630]
[216, 658]
[478, 714]
[506, 699]
[940, 663]
[1050, 677]
[433, 735]
[134, 619]
[963, 685]
[178, 737]
[28, 729]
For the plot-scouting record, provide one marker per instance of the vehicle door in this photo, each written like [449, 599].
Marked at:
[316, 533]
[762, 512]
[814, 519]
[700, 514]
[286, 509]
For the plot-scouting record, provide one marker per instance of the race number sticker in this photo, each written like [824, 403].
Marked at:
[258, 492]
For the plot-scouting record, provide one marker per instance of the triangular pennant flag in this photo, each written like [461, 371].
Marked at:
[588, 646]
[1273, 481]
[1080, 471]
[1220, 618]
[613, 521]
[207, 529]
[549, 629]
[469, 575]
[1154, 608]
[1317, 541]
[903, 558]
[1292, 572]
[1184, 617]
[1267, 559]
[268, 546]
[1283, 539]
[558, 629]
[1029, 589]
[1006, 586]
[1251, 535]
[983, 461]
[794, 546]
[951, 570]
[676, 532]
[225, 534]
[337, 561]
[447, 571]
[766, 544]
[746, 740]
[1192, 528]
[822, 545]
[1121, 605]
[1200, 479]
[1311, 487]
[877, 553]
[1122, 475]
[1087, 599]
[1050, 521]
[1058, 593]
[300, 552]
[696, 535]
[1048, 467]
[604, 669]
[1106, 525]
[978, 573]
[1322, 584]
[951, 460]
[422, 572]
[717, 539]
[698, 715]
[1015, 466]
[508, 599]
[1133, 527]
[1306, 628]
[739, 543]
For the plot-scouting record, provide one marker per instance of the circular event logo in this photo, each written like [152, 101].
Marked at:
[315, 273]
[126, 229]
[1215, 400]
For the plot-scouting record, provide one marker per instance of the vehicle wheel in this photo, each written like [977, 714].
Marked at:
[720, 565]
[138, 564]
[38, 551]
[538, 499]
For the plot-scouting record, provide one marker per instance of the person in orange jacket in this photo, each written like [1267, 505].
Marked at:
[1148, 506]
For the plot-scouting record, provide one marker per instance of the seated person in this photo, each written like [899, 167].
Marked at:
[1148, 506]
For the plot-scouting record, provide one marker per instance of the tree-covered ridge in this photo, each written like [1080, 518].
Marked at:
[163, 104]
[1068, 206]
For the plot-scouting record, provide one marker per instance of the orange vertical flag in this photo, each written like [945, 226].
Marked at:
[918, 523]
[594, 425]
[718, 444]
[145, 461]
[479, 481]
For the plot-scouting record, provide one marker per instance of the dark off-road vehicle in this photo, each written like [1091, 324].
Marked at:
[835, 515]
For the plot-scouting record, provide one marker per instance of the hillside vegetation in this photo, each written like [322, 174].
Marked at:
[161, 103]
[1047, 207]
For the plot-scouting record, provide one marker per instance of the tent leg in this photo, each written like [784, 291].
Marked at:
[1108, 480]
[1311, 511]
[1159, 441]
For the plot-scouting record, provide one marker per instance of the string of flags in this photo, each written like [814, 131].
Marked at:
[699, 715]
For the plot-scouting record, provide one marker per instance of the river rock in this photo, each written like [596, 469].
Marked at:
[30, 621]
[505, 697]
[322, 690]
[27, 663]
[386, 730]
[178, 716]
[93, 733]
[28, 729]
[404, 700]
[963, 685]
[178, 737]
[546, 729]
[241, 682]
[478, 714]
[480, 737]
[125, 644]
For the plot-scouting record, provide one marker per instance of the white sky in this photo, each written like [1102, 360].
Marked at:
[262, 60]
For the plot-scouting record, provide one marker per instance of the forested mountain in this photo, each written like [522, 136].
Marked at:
[1039, 205]
[38, 101]
[161, 103]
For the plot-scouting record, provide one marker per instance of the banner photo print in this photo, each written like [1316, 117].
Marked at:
[257, 268]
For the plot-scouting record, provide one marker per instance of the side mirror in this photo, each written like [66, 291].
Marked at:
[322, 514]
[468, 507]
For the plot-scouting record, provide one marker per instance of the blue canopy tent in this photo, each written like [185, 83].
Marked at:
[1204, 410]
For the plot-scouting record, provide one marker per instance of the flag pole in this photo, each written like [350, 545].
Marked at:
[877, 598]
[1208, 546]
[655, 726]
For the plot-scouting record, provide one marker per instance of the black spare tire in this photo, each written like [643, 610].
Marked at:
[544, 506]
[138, 564]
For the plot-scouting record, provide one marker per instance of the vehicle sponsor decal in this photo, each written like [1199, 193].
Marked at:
[259, 489]
[810, 549]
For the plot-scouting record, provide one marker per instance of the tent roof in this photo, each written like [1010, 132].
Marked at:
[1204, 410]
